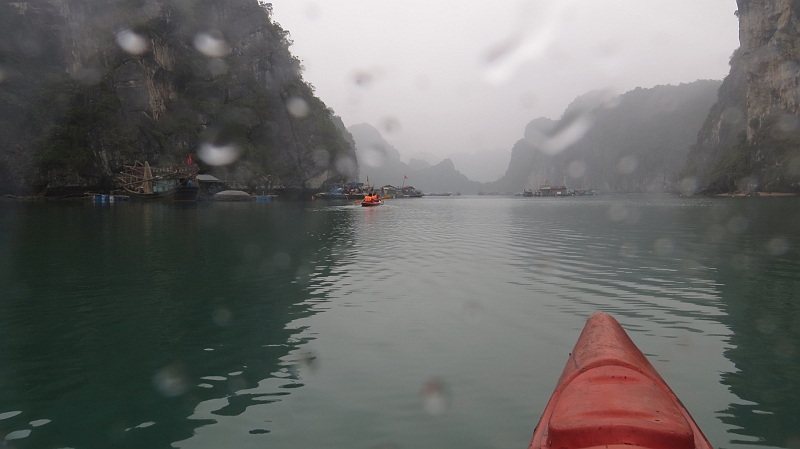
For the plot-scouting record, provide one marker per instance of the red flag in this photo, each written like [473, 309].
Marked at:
[189, 161]
[405, 176]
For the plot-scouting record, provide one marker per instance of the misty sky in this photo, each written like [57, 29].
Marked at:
[439, 77]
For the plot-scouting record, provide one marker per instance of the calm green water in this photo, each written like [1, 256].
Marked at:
[426, 323]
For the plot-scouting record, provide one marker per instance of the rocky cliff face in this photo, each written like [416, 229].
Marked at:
[751, 138]
[90, 86]
[636, 142]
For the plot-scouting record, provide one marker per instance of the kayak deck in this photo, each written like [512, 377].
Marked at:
[609, 395]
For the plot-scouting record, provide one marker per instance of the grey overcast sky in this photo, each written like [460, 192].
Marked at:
[438, 77]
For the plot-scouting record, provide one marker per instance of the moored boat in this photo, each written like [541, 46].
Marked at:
[610, 396]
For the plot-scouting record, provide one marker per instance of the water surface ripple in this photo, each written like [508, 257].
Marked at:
[433, 322]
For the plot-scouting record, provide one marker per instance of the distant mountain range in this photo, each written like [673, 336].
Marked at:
[635, 142]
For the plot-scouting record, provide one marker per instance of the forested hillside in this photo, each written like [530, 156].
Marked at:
[87, 86]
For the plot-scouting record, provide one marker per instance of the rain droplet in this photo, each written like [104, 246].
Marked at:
[528, 41]
[390, 124]
[794, 166]
[628, 249]
[39, 422]
[170, 381]
[211, 44]
[362, 78]
[733, 115]
[7, 415]
[663, 246]
[434, 396]
[687, 186]
[570, 130]
[372, 156]
[321, 157]
[297, 107]
[617, 212]
[473, 311]
[281, 260]
[741, 262]
[222, 316]
[131, 42]
[313, 11]
[17, 434]
[346, 166]
[576, 169]
[736, 225]
[218, 155]
[86, 75]
[627, 165]
[789, 123]
[217, 67]
[145, 425]
[778, 246]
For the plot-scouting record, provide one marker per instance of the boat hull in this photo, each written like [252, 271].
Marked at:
[371, 203]
[609, 395]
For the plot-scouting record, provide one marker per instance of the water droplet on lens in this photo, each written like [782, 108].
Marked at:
[617, 212]
[778, 246]
[313, 11]
[473, 311]
[297, 107]
[372, 157]
[733, 115]
[687, 186]
[346, 166]
[663, 246]
[170, 381]
[576, 169]
[390, 124]
[217, 67]
[17, 435]
[131, 42]
[434, 396]
[86, 75]
[627, 165]
[39, 422]
[736, 225]
[222, 316]
[281, 260]
[794, 166]
[321, 157]
[362, 78]
[211, 44]
[218, 155]
[6, 415]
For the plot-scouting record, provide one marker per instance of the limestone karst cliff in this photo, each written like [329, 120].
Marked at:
[634, 142]
[751, 138]
[87, 86]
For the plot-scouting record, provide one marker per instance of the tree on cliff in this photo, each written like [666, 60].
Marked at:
[95, 85]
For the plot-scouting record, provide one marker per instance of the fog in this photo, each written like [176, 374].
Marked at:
[449, 77]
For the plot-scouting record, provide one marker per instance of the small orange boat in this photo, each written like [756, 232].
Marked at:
[610, 396]
[371, 203]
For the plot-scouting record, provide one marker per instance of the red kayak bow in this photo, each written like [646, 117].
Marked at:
[610, 396]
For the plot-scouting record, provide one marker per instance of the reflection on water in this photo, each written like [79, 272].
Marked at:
[118, 322]
[433, 322]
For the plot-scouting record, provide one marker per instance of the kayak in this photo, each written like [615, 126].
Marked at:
[371, 203]
[610, 396]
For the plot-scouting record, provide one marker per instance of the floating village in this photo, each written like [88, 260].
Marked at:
[183, 182]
